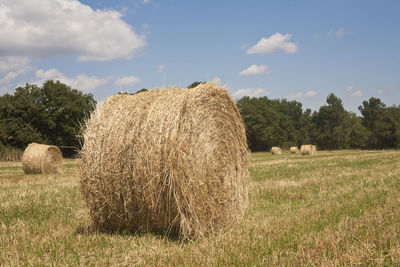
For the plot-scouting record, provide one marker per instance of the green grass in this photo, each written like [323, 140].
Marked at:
[335, 208]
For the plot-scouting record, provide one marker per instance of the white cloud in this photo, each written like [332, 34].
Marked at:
[381, 92]
[252, 92]
[349, 88]
[50, 74]
[127, 81]
[81, 82]
[302, 95]
[273, 43]
[255, 70]
[340, 32]
[217, 80]
[65, 27]
[12, 63]
[146, 1]
[161, 68]
[87, 83]
[12, 67]
[357, 93]
[8, 77]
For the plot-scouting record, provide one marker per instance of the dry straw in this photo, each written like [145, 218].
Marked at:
[38, 158]
[308, 149]
[167, 160]
[314, 149]
[294, 150]
[276, 150]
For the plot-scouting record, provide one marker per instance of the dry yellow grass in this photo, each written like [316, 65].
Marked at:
[337, 208]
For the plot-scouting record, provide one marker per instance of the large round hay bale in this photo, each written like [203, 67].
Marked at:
[294, 150]
[308, 149]
[167, 160]
[276, 150]
[38, 158]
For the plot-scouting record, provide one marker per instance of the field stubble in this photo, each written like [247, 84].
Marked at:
[335, 208]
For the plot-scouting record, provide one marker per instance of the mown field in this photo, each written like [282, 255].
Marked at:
[335, 208]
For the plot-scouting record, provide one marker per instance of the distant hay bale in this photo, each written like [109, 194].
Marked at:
[294, 150]
[308, 149]
[173, 161]
[314, 149]
[305, 149]
[276, 150]
[38, 158]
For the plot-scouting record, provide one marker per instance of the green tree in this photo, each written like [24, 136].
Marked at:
[272, 122]
[358, 134]
[331, 127]
[194, 84]
[392, 115]
[141, 90]
[376, 121]
[17, 115]
[64, 109]
[48, 114]
[304, 127]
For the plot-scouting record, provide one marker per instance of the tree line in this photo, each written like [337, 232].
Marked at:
[274, 122]
[49, 114]
[53, 114]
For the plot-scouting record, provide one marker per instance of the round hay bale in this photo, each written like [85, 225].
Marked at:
[173, 161]
[313, 150]
[38, 158]
[294, 150]
[308, 149]
[305, 149]
[276, 150]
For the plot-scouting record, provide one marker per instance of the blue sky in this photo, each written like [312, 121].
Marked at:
[300, 50]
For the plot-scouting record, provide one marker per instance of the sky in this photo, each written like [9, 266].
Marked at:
[298, 50]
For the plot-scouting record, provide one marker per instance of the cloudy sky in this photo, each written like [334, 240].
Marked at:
[299, 50]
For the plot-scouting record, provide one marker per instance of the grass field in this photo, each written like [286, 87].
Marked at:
[335, 208]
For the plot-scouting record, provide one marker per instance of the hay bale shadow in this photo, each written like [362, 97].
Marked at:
[89, 230]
